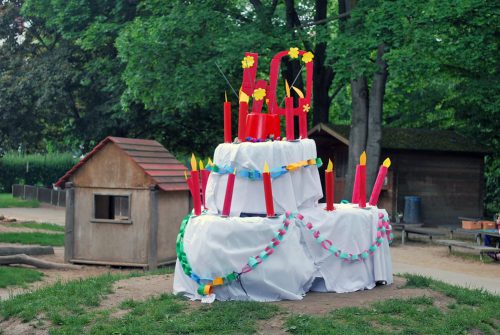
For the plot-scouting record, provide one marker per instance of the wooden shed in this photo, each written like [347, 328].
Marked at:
[124, 204]
[444, 168]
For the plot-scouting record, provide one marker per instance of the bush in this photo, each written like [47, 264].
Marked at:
[33, 169]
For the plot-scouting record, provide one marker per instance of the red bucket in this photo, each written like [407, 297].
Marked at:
[262, 125]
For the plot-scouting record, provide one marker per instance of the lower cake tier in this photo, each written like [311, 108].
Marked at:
[293, 168]
[262, 259]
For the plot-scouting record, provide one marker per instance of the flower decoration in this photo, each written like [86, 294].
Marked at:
[306, 108]
[307, 57]
[294, 53]
[259, 94]
[247, 62]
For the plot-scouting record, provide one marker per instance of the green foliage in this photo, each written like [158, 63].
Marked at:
[7, 200]
[36, 225]
[33, 169]
[55, 240]
[11, 276]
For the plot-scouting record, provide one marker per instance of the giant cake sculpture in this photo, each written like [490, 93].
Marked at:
[258, 231]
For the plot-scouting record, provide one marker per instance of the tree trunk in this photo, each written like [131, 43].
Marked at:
[27, 250]
[24, 259]
[358, 133]
[376, 107]
[323, 76]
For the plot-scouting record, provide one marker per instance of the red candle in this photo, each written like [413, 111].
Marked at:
[268, 191]
[329, 185]
[355, 189]
[196, 187]
[290, 136]
[227, 121]
[229, 194]
[362, 180]
[204, 180]
[382, 172]
[242, 116]
[303, 124]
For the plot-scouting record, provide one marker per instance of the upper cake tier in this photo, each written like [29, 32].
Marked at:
[294, 188]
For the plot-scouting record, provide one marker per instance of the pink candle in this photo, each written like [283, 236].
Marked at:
[355, 189]
[227, 122]
[362, 180]
[196, 187]
[226, 209]
[204, 180]
[377, 188]
[329, 185]
[303, 110]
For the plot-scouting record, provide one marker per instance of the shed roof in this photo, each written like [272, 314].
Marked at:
[156, 162]
[411, 139]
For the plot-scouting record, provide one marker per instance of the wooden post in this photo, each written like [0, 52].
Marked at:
[153, 229]
[69, 235]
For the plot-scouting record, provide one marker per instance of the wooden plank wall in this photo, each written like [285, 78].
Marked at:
[450, 185]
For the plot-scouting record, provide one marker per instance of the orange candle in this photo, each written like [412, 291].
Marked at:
[227, 121]
[268, 190]
[329, 186]
[377, 188]
[362, 180]
[196, 186]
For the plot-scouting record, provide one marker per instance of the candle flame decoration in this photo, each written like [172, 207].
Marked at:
[185, 174]
[202, 167]
[193, 163]
[266, 168]
[244, 97]
[287, 89]
[234, 171]
[225, 94]
[210, 162]
[387, 162]
[362, 158]
[329, 168]
[299, 92]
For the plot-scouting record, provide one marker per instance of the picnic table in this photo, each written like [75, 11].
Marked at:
[478, 233]
[414, 228]
[479, 246]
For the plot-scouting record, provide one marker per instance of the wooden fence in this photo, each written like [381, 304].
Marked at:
[42, 194]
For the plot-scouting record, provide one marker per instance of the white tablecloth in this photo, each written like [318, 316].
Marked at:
[293, 191]
[216, 246]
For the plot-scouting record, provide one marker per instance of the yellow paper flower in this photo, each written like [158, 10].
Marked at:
[307, 57]
[247, 62]
[259, 94]
[294, 53]
[306, 108]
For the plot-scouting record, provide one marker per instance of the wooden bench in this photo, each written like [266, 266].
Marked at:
[466, 245]
[419, 231]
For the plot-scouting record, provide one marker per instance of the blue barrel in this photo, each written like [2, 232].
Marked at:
[412, 209]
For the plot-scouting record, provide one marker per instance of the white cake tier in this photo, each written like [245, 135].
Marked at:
[217, 246]
[292, 191]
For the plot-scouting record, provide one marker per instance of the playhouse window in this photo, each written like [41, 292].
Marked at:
[112, 207]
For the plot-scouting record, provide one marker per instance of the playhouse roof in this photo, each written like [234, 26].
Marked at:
[410, 139]
[159, 164]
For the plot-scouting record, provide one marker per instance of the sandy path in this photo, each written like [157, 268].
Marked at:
[44, 213]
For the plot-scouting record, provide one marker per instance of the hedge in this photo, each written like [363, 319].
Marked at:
[33, 169]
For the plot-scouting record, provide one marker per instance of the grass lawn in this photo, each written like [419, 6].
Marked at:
[71, 308]
[55, 240]
[7, 200]
[18, 276]
[36, 225]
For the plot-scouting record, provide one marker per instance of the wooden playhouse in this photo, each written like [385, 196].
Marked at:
[124, 204]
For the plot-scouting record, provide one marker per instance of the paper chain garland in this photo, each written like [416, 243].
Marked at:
[383, 229]
[257, 174]
[206, 284]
